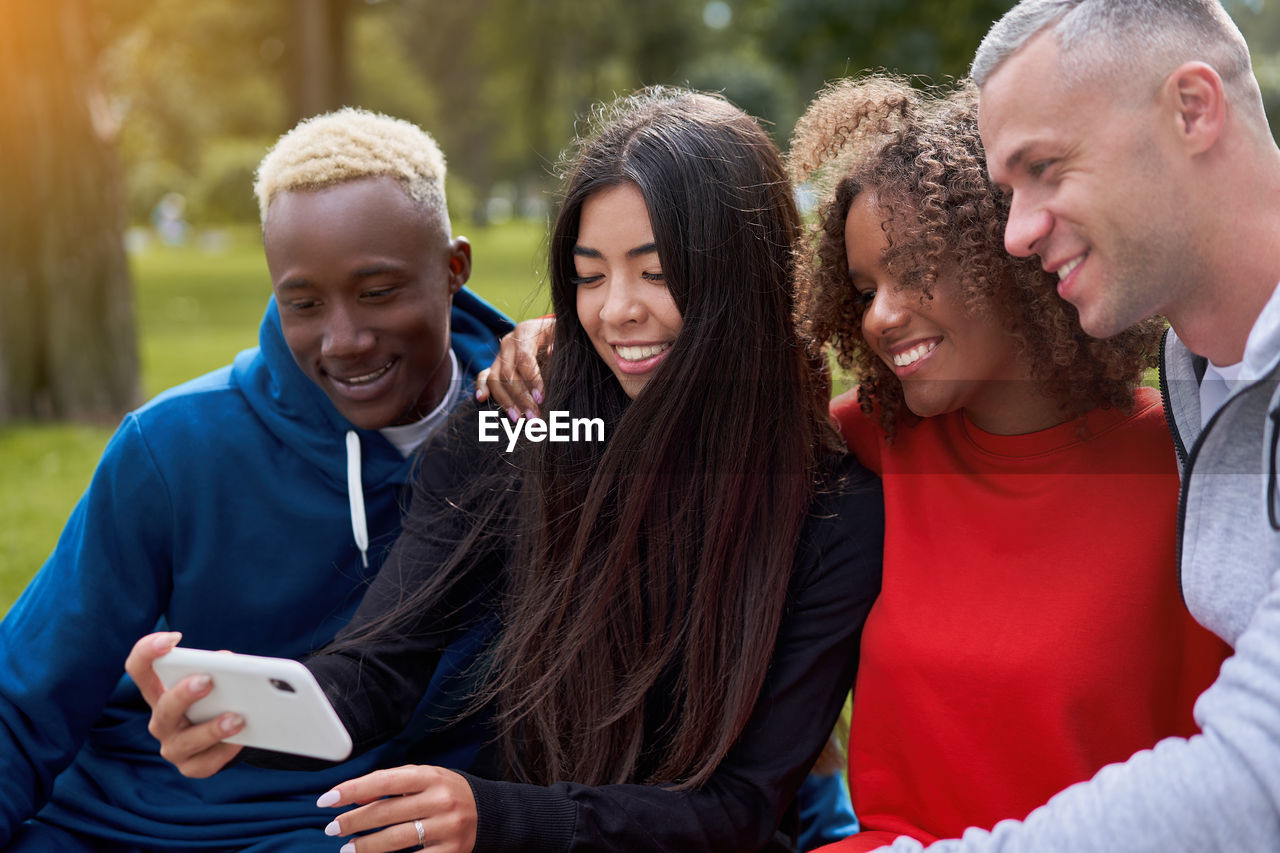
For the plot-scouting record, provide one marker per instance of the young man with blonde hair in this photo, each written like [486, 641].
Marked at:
[1131, 137]
[249, 508]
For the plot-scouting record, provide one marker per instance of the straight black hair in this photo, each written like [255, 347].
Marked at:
[651, 572]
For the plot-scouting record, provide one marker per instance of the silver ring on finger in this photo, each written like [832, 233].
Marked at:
[422, 834]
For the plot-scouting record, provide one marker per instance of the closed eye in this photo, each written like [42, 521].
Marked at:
[585, 280]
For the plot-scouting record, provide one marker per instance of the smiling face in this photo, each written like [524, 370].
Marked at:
[1095, 192]
[623, 302]
[946, 356]
[364, 278]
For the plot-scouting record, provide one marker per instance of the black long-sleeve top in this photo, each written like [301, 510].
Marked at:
[835, 579]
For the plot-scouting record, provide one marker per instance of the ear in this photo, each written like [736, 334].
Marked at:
[459, 263]
[1200, 105]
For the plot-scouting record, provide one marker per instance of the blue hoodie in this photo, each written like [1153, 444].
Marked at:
[219, 509]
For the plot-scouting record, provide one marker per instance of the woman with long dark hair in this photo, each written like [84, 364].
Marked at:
[678, 606]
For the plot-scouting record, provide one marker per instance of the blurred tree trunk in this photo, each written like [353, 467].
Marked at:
[67, 339]
[320, 56]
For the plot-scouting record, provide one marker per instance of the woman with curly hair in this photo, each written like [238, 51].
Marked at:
[1030, 628]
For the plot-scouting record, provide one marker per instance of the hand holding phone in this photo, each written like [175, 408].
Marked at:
[283, 707]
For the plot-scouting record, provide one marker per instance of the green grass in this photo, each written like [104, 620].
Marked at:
[45, 468]
[508, 268]
[196, 308]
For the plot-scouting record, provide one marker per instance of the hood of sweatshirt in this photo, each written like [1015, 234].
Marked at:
[299, 414]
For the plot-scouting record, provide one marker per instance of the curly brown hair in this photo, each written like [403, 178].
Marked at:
[921, 154]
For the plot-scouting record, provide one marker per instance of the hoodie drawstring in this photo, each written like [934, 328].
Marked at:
[355, 492]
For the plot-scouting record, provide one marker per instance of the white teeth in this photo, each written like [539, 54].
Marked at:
[914, 354]
[368, 377]
[640, 353]
[1065, 269]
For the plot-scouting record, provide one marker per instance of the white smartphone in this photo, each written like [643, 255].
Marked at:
[283, 707]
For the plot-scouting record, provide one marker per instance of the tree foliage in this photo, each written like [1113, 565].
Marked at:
[499, 82]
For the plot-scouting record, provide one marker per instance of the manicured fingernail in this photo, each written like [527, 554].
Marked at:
[230, 723]
[333, 828]
[166, 641]
[199, 683]
[513, 414]
[329, 798]
[349, 847]
[530, 414]
[537, 396]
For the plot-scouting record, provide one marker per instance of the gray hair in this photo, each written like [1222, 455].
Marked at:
[1141, 41]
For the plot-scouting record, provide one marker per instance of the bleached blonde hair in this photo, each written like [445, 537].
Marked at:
[350, 144]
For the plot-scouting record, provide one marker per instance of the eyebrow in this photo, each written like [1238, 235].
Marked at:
[359, 274]
[586, 252]
[1015, 159]
[376, 269]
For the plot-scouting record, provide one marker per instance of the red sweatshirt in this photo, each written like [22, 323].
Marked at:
[1030, 627]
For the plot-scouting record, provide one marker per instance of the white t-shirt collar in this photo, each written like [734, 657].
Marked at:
[408, 437]
[1261, 349]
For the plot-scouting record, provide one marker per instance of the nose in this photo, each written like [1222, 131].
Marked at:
[886, 312]
[622, 303]
[1029, 223]
[345, 335]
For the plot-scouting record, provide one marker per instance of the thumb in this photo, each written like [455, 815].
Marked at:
[139, 663]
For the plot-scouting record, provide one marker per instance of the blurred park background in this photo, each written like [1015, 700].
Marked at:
[129, 253]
